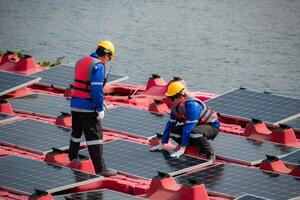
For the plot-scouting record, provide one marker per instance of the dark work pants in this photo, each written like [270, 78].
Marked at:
[88, 124]
[199, 136]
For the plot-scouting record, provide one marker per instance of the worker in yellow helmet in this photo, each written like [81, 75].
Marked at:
[87, 105]
[191, 123]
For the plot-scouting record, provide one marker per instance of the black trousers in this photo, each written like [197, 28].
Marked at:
[199, 136]
[88, 124]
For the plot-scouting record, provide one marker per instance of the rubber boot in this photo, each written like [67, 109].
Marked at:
[98, 161]
[73, 150]
[106, 172]
[206, 148]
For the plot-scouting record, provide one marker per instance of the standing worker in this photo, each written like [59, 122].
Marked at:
[87, 105]
[191, 123]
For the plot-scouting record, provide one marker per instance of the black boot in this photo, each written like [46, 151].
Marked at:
[96, 153]
[206, 148]
[107, 172]
[104, 171]
[73, 150]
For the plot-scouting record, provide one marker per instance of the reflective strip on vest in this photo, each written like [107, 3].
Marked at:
[174, 135]
[82, 77]
[190, 122]
[206, 116]
[96, 83]
[94, 142]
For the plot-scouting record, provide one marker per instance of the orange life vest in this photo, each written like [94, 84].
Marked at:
[207, 115]
[82, 78]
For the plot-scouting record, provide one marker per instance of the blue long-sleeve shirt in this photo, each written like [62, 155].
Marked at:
[97, 96]
[192, 115]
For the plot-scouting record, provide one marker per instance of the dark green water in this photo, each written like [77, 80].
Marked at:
[215, 45]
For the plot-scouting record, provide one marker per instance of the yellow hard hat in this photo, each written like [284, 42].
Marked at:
[108, 46]
[174, 88]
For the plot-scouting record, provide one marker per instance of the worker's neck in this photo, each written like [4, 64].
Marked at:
[103, 60]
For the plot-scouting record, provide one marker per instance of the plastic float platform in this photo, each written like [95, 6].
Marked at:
[258, 149]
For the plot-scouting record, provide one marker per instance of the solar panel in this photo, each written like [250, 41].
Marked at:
[294, 123]
[35, 136]
[6, 117]
[10, 82]
[62, 76]
[246, 104]
[292, 158]
[135, 122]
[98, 195]
[250, 197]
[230, 180]
[247, 150]
[23, 175]
[41, 104]
[137, 160]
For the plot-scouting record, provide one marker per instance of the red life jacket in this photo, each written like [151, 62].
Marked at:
[207, 115]
[82, 78]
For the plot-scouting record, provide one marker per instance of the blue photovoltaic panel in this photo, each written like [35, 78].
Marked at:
[35, 136]
[136, 122]
[232, 180]
[247, 150]
[62, 76]
[41, 104]
[23, 175]
[250, 197]
[248, 104]
[294, 123]
[10, 82]
[292, 158]
[137, 160]
[6, 117]
[103, 194]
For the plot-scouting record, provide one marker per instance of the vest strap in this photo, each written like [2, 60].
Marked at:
[81, 89]
[80, 81]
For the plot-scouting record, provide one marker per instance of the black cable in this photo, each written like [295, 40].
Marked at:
[106, 78]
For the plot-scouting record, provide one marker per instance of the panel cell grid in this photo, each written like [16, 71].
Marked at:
[292, 158]
[137, 160]
[35, 136]
[231, 180]
[247, 150]
[250, 197]
[294, 123]
[41, 104]
[103, 194]
[134, 121]
[23, 175]
[247, 104]
[10, 82]
[62, 76]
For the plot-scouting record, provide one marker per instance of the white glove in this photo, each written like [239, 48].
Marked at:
[100, 115]
[178, 153]
[157, 148]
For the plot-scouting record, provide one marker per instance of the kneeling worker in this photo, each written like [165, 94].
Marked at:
[191, 123]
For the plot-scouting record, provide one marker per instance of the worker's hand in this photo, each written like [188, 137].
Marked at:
[100, 115]
[178, 153]
[157, 148]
